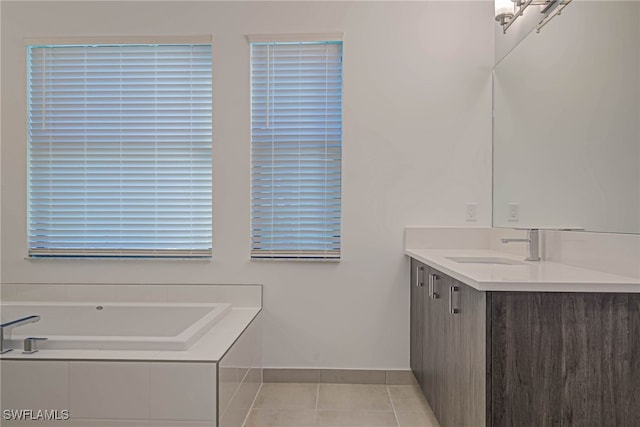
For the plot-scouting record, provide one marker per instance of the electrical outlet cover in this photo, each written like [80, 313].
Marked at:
[472, 212]
[514, 212]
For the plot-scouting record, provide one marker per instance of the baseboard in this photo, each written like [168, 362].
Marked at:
[338, 376]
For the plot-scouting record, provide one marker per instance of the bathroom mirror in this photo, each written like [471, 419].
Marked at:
[566, 144]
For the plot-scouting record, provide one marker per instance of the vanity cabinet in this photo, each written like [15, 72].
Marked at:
[565, 359]
[524, 358]
[417, 317]
[449, 358]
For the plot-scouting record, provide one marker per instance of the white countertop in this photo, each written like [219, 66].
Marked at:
[540, 276]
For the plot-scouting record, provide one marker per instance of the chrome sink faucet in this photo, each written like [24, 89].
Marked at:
[534, 244]
[5, 329]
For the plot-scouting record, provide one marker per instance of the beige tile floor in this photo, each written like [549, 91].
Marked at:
[340, 405]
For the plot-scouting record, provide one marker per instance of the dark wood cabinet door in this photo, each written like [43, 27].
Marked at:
[634, 352]
[435, 357]
[466, 367]
[473, 356]
[454, 351]
[565, 359]
[526, 368]
[416, 325]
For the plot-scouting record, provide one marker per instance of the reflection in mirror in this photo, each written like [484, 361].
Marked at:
[566, 123]
[505, 42]
[517, 18]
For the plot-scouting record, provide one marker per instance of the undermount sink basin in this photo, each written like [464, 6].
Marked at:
[484, 260]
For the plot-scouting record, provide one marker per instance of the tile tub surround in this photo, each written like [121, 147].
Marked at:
[240, 377]
[150, 393]
[109, 391]
[108, 388]
[560, 270]
[334, 405]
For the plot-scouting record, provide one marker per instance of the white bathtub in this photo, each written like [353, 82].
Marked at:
[113, 326]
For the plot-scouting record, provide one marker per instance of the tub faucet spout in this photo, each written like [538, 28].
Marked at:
[5, 330]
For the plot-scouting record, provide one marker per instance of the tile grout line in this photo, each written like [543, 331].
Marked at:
[391, 400]
[393, 406]
[315, 418]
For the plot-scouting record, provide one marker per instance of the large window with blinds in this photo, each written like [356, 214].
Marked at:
[120, 150]
[296, 145]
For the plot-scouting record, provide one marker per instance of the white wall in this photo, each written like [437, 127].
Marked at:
[417, 147]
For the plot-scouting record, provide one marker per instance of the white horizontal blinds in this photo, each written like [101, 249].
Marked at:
[296, 139]
[120, 155]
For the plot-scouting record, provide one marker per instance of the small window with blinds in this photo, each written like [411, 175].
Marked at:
[296, 148]
[119, 150]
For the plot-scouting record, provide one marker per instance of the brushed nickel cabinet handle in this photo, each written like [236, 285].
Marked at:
[434, 278]
[419, 275]
[452, 309]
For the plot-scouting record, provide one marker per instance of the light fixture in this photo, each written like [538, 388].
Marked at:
[504, 11]
[508, 11]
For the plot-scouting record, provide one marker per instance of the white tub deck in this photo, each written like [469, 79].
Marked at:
[113, 326]
[211, 346]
